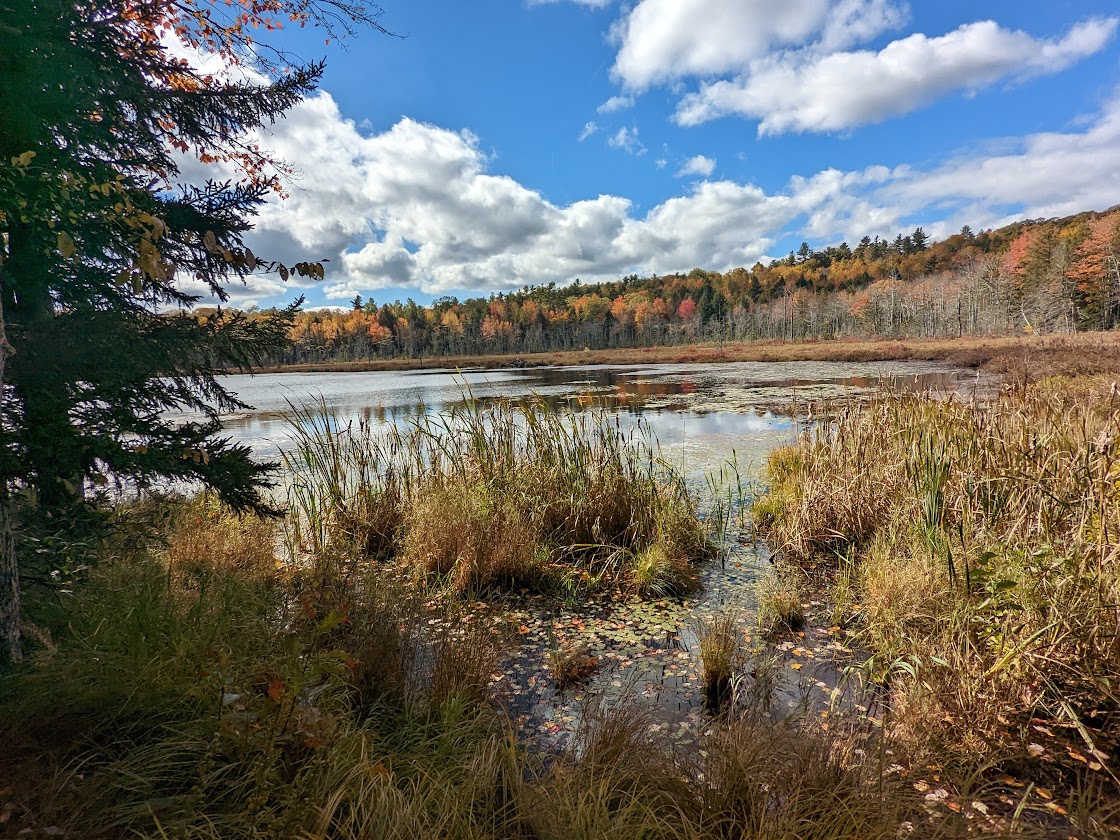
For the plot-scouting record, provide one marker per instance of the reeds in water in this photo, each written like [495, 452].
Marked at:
[510, 494]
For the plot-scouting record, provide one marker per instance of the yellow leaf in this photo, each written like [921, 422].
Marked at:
[66, 245]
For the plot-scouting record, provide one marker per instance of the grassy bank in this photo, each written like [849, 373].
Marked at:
[976, 553]
[197, 688]
[1019, 356]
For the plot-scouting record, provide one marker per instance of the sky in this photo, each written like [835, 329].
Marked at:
[504, 143]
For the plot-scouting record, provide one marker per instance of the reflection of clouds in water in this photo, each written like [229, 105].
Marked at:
[698, 413]
[714, 423]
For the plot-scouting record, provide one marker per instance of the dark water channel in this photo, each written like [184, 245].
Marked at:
[716, 423]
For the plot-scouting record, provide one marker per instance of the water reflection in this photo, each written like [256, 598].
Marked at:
[698, 412]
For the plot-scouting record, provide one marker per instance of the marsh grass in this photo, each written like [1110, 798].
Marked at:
[986, 550]
[570, 663]
[779, 597]
[197, 696]
[504, 496]
[721, 656]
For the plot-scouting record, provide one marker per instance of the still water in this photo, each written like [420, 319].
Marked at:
[699, 413]
[703, 417]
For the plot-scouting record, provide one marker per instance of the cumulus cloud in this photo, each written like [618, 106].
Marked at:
[698, 165]
[417, 205]
[791, 64]
[662, 40]
[665, 40]
[812, 92]
[589, 128]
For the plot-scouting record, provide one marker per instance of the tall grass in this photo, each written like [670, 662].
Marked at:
[199, 696]
[721, 656]
[512, 494]
[987, 544]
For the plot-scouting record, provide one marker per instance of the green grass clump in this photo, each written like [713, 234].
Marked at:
[721, 655]
[779, 602]
[511, 495]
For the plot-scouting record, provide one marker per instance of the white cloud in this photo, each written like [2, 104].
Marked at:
[662, 40]
[698, 165]
[807, 91]
[589, 128]
[616, 103]
[627, 140]
[790, 64]
[594, 4]
[415, 205]
[857, 21]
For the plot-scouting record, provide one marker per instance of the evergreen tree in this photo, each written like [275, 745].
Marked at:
[919, 240]
[97, 243]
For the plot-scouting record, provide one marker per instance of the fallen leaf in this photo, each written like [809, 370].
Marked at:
[276, 689]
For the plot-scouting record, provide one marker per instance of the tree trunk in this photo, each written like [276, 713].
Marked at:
[10, 618]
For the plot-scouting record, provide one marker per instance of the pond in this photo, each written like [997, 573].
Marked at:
[707, 419]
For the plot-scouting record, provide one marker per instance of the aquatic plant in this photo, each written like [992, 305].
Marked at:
[508, 494]
[721, 655]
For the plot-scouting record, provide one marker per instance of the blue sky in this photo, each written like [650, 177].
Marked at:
[503, 142]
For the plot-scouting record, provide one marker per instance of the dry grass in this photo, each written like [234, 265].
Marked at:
[721, 656]
[571, 663]
[779, 602]
[208, 539]
[987, 542]
[510, 495]
[1080, 354]
[242, 701]
[475, 540]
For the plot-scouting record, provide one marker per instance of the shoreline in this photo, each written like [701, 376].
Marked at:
[1030, 356]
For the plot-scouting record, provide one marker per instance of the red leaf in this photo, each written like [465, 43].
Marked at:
[276, 689]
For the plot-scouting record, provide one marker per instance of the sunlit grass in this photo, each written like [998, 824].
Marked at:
[507, 495]
[985, 543]
[199, 697]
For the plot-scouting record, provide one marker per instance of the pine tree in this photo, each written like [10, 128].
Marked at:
[96, 241]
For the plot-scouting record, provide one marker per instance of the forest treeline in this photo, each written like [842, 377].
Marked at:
[1042, 276]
